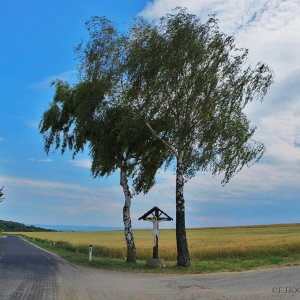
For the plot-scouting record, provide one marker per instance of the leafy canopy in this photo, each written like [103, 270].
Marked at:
[191, 77]
[93, 113]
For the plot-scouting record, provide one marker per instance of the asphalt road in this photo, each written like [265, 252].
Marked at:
[26, 272]
[29, 273]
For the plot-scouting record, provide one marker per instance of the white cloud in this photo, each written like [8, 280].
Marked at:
[281, 134]
[82, 163]
[29, 123]
[39, 184]
[98, 205]
[80, 204]
[70, 76]
[61, 190]
[275, 38]
[46, 160]
[270, 29]
[233, 14]
[262, 178]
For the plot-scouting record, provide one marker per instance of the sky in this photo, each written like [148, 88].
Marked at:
[37, 42]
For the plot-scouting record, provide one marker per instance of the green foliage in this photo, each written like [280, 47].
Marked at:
[79, 116]
[1, 194]
[176, 89]
[92, 113]
[122, 141]
[192, 78]
[9, 226]
[100, 56]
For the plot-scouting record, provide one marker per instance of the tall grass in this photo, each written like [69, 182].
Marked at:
[206, 243]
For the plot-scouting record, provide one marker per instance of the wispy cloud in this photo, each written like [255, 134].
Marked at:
[39, 184]
[234, 14]
[72, 198]
[281, 134]
[82, 163]
[70, 76]
[276, 23]
[270, 29]
[28, 122]
[45, 160]
[260, 179]
[2, 139]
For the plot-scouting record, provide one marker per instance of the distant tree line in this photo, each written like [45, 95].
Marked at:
[9, 226]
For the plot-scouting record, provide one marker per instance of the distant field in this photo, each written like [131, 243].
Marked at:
[206, 243]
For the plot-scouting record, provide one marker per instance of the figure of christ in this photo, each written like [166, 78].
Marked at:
[155, 230]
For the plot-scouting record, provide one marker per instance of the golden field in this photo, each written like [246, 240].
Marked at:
[204, 243]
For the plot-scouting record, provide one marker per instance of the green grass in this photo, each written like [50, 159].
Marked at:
[211, 249]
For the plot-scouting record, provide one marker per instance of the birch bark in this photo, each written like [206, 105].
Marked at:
[131, 250]
[183, 257]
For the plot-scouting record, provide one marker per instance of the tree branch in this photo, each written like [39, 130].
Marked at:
[162, 140]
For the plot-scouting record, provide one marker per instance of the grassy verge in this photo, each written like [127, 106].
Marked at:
[252, 261]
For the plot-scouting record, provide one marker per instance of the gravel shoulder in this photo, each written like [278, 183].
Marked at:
[78, 282]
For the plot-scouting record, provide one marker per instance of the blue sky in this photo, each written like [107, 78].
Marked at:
[37, 44]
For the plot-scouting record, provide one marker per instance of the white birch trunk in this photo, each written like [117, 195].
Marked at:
[131, 250]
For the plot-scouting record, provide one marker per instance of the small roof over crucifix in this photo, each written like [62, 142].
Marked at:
[157, 213]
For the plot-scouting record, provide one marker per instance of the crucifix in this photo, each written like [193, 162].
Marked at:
[155, 215]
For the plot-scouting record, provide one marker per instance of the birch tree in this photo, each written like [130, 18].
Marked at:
[115, 139]
[91, 114]
[191, 77]
[122, 142]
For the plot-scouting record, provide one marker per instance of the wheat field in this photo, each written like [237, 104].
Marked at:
[204, 243]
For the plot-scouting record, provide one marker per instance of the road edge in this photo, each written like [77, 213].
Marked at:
[49, 252]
